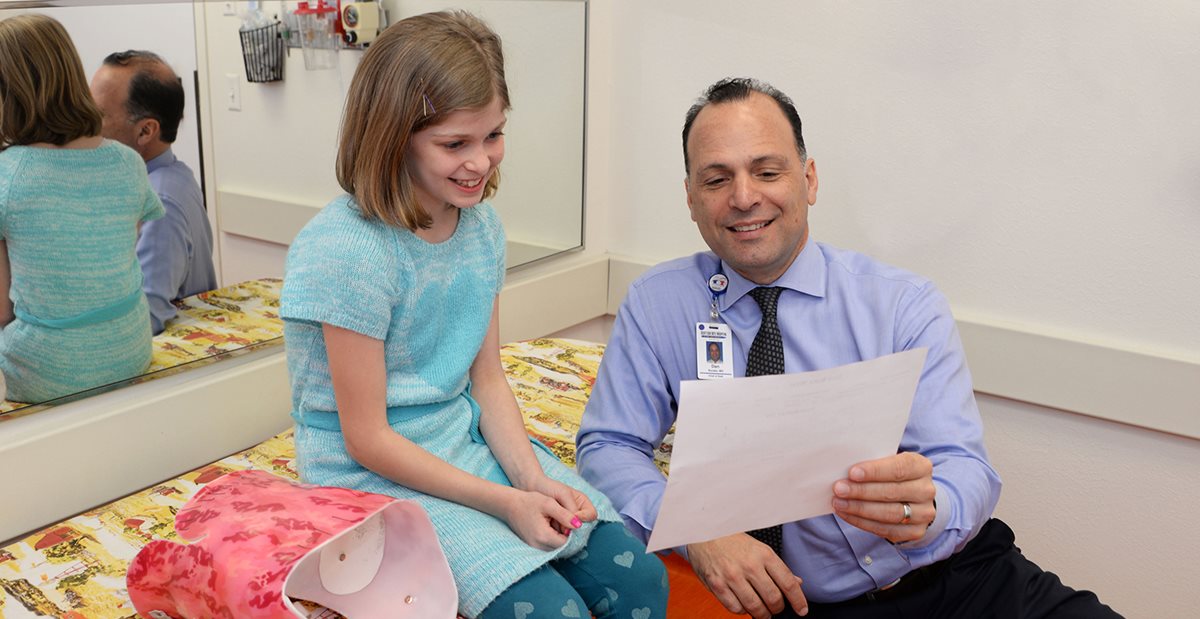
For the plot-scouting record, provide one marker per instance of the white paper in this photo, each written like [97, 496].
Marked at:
[755, 452]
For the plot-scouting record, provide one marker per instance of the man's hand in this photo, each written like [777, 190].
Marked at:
[874, 497]
[747, 576]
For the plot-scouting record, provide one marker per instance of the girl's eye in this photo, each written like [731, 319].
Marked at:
[495, 135]
[453, 145]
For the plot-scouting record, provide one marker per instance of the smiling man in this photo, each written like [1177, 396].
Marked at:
[911, 535]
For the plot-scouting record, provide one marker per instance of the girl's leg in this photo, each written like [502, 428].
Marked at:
[616, 577]
[543, 594]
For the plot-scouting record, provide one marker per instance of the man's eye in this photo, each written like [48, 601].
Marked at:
[769, 174]
[715, 182]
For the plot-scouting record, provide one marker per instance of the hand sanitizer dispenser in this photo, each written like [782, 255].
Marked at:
[360, 20]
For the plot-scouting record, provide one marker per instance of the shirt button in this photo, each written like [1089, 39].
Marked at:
[868, 560]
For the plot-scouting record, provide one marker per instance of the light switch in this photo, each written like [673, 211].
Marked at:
[233, 91]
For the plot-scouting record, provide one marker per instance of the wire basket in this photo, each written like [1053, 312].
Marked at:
[263, 50]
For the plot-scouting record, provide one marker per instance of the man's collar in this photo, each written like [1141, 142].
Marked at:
[807, 275]
[165, 159]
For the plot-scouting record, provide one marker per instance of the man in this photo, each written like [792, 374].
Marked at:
[910, 534]
[142, 101]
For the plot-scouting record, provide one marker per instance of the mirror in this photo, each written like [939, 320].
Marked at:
[267, 167]
[275, 143]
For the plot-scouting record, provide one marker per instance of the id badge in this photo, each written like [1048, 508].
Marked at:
[714, 351]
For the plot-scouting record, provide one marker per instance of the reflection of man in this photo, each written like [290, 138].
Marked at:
[911, 534]
[142, 100]
[714, 352]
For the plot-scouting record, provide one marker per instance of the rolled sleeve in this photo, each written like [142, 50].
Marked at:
[945, 426]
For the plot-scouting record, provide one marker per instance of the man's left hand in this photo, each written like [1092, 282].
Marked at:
[891, 497]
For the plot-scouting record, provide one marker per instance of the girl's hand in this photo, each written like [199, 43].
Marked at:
[566, 496]
[539, 520]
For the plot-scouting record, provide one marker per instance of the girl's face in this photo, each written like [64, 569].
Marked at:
[452, 160]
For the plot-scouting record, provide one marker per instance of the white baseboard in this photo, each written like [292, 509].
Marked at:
[76, 456]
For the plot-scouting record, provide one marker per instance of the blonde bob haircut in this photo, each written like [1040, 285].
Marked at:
[44, 95]
[418, 71]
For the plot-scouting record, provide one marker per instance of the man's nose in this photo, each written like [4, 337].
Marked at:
[745, 194]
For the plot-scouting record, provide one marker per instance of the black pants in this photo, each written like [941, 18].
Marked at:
[989, 578]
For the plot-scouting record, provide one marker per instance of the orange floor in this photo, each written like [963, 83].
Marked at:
[690, 599]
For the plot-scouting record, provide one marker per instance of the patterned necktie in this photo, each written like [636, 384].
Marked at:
[766, 357]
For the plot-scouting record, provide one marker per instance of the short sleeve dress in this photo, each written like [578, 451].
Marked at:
[431, 304]
[69, 217]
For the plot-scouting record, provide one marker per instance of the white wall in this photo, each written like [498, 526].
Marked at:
[1038, 161]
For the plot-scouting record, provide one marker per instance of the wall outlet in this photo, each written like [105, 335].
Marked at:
[233, 91]
[231, 8]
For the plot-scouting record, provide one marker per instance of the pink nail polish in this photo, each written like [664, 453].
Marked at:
[576, 522]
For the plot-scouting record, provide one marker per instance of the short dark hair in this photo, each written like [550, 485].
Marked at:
[152, 94]
[738, 89]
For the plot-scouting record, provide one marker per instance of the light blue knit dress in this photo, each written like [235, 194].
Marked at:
[431, 304]
[69, 217]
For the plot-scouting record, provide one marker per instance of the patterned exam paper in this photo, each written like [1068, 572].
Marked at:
[209, 324]
[76, 569]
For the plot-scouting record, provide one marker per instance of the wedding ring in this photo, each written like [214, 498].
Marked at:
[907, 513]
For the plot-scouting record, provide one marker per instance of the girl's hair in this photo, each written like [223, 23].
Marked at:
[44, 95]
[419, 70]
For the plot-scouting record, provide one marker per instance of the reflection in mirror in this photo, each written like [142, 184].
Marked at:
[269, 147]
[274, 143]
[208, 326]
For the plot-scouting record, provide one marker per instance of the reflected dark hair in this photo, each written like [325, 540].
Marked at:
[738, 89]
[44, 95]
[154, 90]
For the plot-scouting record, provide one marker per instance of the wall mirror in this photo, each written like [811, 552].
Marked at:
[265, 151]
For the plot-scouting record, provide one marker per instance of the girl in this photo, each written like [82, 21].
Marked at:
[71, 302]
[389, 304]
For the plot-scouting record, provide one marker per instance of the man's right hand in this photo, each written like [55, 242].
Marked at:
[747, 576]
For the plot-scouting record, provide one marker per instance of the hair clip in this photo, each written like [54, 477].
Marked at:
[427, 105]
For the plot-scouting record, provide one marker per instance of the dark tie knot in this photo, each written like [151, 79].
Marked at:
[767, 298]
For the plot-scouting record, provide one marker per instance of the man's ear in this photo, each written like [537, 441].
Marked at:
[687, 190]
[147, 132]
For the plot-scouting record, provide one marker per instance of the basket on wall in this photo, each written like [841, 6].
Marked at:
[263, 51]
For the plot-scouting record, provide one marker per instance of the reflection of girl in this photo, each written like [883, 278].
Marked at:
[392, 345]
[70, 203]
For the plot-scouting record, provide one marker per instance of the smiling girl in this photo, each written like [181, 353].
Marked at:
[390, 313]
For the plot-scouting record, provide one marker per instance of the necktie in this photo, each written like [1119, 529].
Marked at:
[766, 357]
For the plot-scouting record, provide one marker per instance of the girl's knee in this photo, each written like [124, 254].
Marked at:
[543, 594]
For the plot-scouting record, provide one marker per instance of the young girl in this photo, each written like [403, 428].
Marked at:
[389, 304]
[71, 301]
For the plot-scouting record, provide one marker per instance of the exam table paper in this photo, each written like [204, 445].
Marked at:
[755, 452]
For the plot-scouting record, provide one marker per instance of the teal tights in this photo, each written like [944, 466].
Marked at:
[612, 577]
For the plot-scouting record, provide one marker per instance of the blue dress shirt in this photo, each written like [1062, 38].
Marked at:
[837, 307]
[176, 251]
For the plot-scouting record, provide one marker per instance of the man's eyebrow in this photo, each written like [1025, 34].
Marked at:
[713, 167]
[774, 159]
[757, 161]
